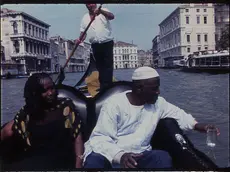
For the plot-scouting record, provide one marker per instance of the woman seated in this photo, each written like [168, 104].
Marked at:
[45, 133]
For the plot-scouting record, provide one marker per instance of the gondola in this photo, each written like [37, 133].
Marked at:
[168, 136]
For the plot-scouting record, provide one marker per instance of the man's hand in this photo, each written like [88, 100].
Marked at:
[97, 12]
[128, 160]
[204, 128]
[107, 14]
[211, 126]
[77, 41]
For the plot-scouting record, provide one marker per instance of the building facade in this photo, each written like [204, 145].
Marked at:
[2, 53]
[221, 19]
[145, 58]
[149, 56]
[61, 54]
[188, 29]
[80, 58]
[25, 39]
[55, 64]
[125, 55]
[156, 50]
[79, 61]
[141, 57]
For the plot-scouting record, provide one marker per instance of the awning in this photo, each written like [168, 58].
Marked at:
[40, 57]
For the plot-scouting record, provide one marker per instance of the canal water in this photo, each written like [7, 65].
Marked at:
[205, 96]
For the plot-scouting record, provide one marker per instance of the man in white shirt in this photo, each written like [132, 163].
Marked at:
[101, 39]
[126, 124]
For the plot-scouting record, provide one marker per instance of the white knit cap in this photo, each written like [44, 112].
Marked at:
[144, 73]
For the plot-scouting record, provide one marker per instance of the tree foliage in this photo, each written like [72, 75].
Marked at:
[223, 42]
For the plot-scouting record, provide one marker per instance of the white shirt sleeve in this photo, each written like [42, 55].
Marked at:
[83, 25]
[105, 9]
[185, 120]
[104, 136]
[117, 157]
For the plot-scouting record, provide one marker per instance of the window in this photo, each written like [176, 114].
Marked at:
[221, 19]
[205, 38]
[27, 47]
[36, 32]
[15, 27]
[39, 33]
[205, 19]
[187, 20]
[216, 37]
[206, 48]
[198, 19]
[205, 10]
[35, 50]
[43, 34]
[29, 29]
[198, 10]
[188, 49]
[199, 48]
[198, 38]
[16, 46]
[31, 48]
[25, 28]
[32, 30]
[187, 10]
[188, 38]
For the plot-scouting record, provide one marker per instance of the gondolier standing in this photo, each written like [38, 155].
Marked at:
[101, 39]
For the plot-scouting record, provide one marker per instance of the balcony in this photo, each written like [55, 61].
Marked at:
[76, 64]
[30, 55]
[28, 36]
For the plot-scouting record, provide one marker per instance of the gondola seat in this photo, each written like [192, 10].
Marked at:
[168, 136]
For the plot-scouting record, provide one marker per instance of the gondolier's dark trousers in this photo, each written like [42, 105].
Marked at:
[103, 54]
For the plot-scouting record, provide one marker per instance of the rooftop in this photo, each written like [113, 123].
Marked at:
[123, 44]
[189, 5]
[6, 12]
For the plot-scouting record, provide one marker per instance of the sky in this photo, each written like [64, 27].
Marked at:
[133, 22]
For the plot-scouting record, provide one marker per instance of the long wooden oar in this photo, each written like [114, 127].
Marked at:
[77, 43]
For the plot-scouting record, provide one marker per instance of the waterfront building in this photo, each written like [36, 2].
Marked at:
[55, 64]
[61, 54]
[80, 59]
[25, 39]
[125, 55]
[141, 57]
[221, 19]
[189, 28]
[156, 50]
[145, 58]
[2, 53]
[149, 56]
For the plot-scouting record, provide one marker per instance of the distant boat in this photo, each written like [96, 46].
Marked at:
[207, 61]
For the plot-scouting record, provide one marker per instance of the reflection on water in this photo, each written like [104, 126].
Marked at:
[203, 95]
